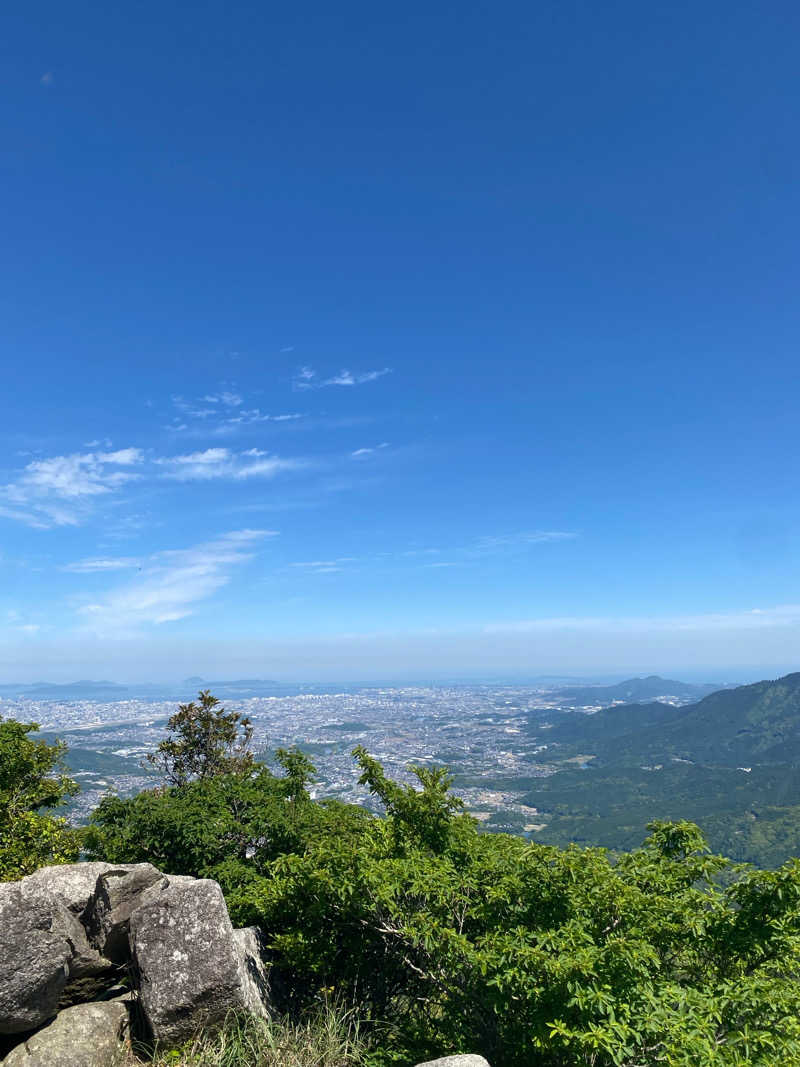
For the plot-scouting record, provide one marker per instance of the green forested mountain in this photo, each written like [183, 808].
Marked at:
[578, 729]
[730, 762]
[755, 723]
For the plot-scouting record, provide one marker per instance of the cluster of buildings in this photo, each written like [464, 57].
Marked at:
[482, 733]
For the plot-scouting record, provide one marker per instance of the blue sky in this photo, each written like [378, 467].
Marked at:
[354, 341]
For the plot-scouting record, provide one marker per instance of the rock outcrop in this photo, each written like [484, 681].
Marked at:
[69, 933]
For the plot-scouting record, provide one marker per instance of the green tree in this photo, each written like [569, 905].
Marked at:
[228, 826]
[206, 740]
[33, 780]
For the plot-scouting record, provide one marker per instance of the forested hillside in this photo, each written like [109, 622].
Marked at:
[729, 762]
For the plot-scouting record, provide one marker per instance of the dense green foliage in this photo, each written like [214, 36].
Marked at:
[754, 816]
[227, 825]
[32, 781]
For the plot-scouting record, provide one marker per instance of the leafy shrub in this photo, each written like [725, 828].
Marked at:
[33, 780]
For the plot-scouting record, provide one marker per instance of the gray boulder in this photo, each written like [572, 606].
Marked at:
[72, 883]
[191, 969]
[88, 1035]
[47, 959]
[35, 932]
[118, 892]
[452, 1061]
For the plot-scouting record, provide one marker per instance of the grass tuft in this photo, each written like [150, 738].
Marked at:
[329, 1038]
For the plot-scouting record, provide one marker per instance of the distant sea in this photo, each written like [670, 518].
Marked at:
[175, 691]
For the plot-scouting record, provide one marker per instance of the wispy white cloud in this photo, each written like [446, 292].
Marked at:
[470, 554]
[369, 451]
[171, 584]
[226, 398]
[205, 406]
[56, 491]
[325, 566]
[220, 414]
[100, 566]
[249, 417]
[517, 540]
[214, 463]
[307, 378]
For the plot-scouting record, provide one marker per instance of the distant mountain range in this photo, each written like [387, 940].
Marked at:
[633, 690]
[730, 762]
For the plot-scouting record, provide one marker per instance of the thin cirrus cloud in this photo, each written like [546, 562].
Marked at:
[57, 491]
[214, 402]
[459, 556]
[220, 414]
[102, 565]
[307, 378]
[369, 451]
[226, 398]
[213, 463]
[519, 540]
[171, 584]
[325, 566]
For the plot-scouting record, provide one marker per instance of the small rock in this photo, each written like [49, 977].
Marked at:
[452, 1061]
[88, 1035]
